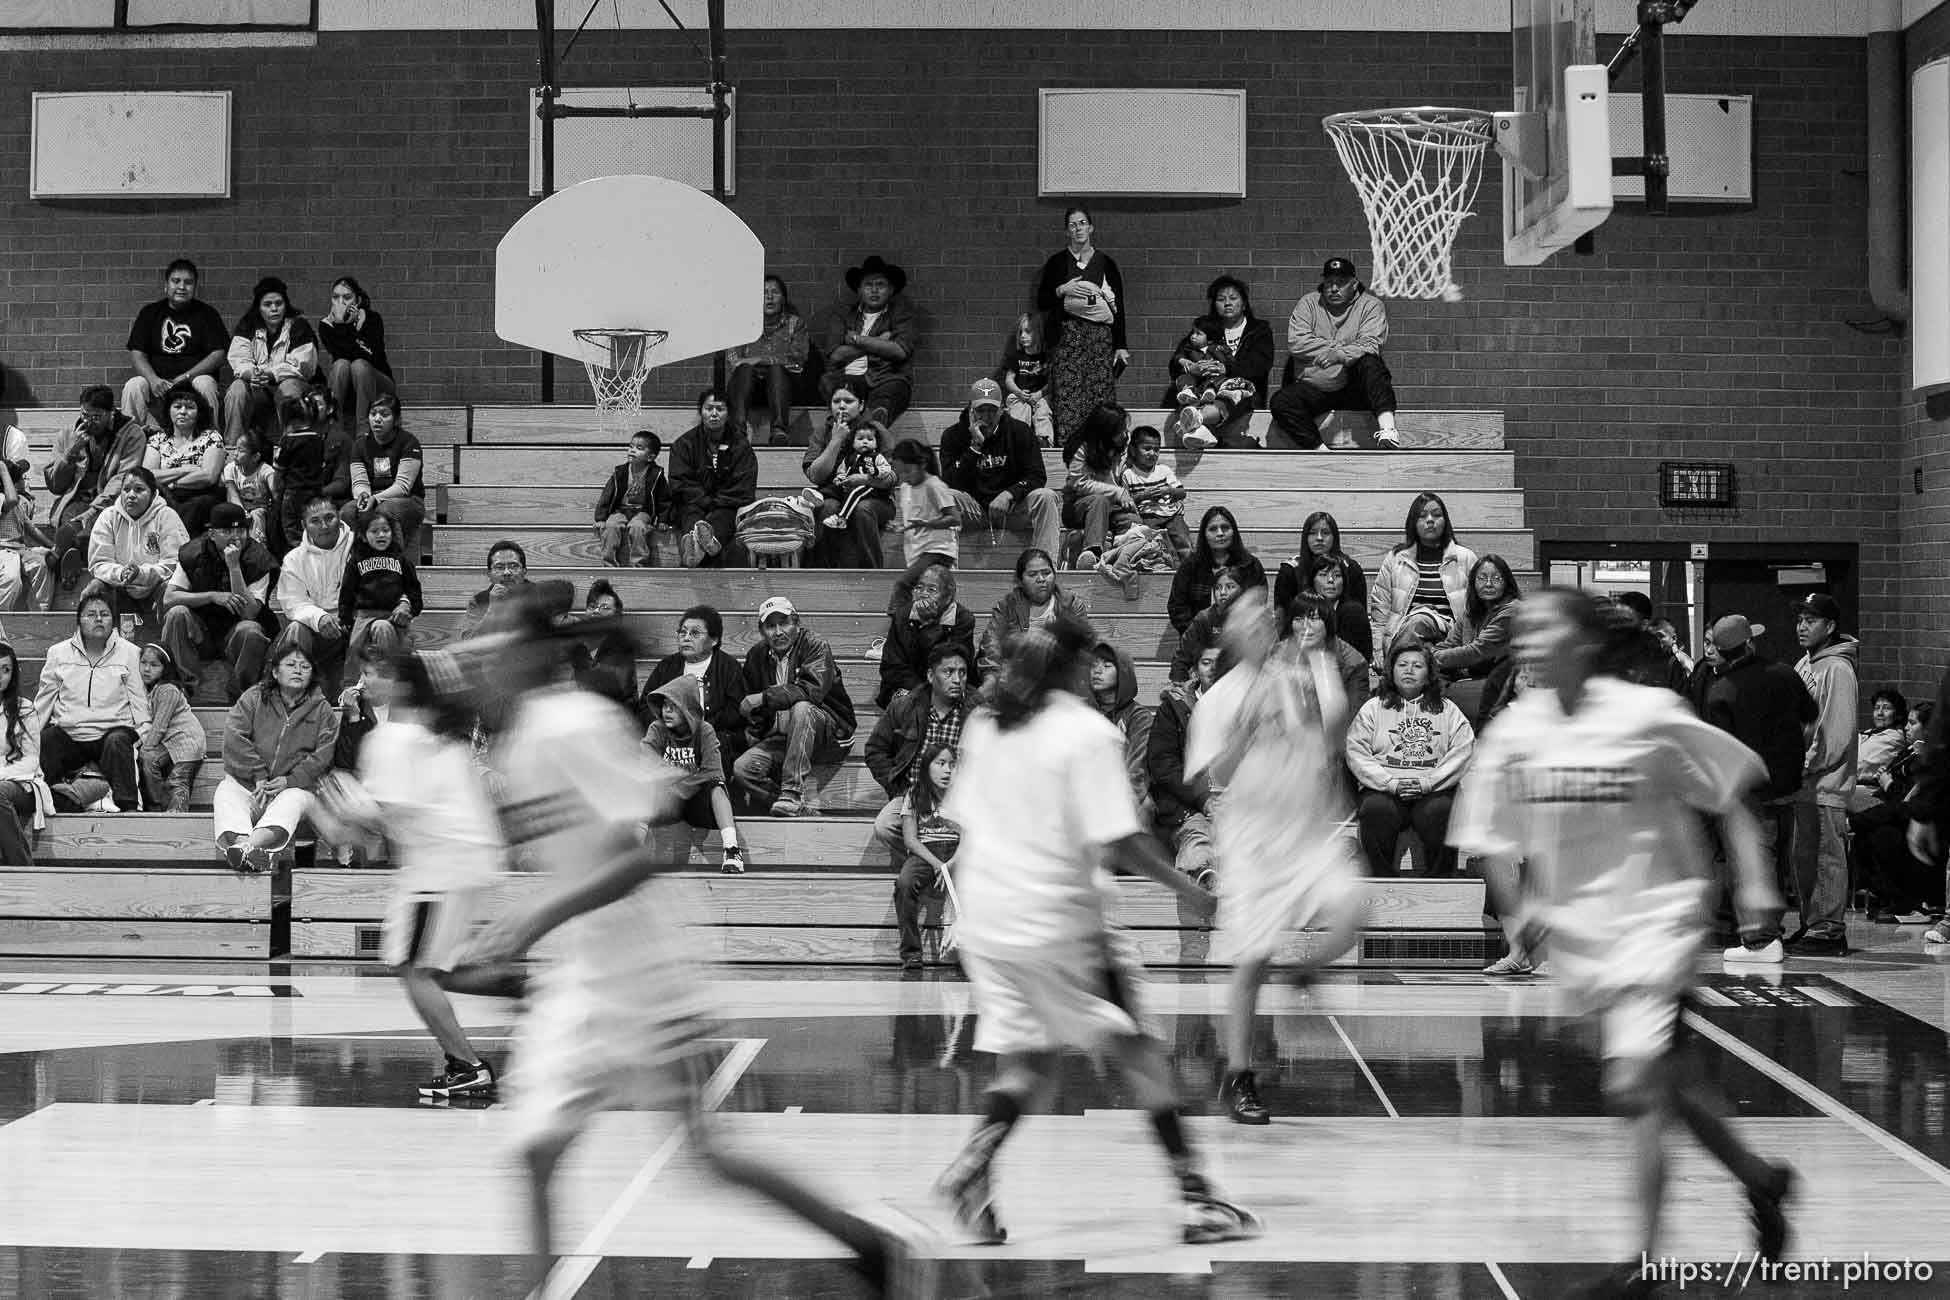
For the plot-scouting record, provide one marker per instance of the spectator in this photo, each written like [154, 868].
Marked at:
[1036, 600]
[25, 800]
[874, 340]
[85, 475]
[1220, 369]
[862, 474]
[132, 549]
[1492, 613]
[307, 460]
[1181, 806]
[91, 709]
[683, 737]
[930, 518]
[930, 842]
[796, 710]
[1886, 739]
[1155, 490]
[178, 341]
[1024, 378]
[1203, 631]
[1928, 804]
[507, 568]
[1219, 544]
[364, 705]
[1634, 652]
[309, 585]
[1766, 707]
[25, 579]
[1407, 748]
[990, 460]
[1081, 295]
[634, 503]
[385, 471]
[187, 459]
[214, 603]
[278, 741]
[379, 597]
[713, 475]
[915, 723]
[932, 616]
[1897, 882]
[1421, 591]
[1094, 501]
[1322, 533]
[1668, 633]
[771, 364]
[273, 356]
[173, 742]
[353, 337]
[700, 634]
[1113, 692]
[251, 485]
[1335, 335]
[857, 546]
[1821, 809]
[1315, 623]
[604, 663]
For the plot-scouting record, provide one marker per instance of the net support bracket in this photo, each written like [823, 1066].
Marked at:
[1520, 138]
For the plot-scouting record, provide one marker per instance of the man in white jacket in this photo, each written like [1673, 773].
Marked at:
[91, 706]
[308, 588]
[132, 547]
[1335, 335]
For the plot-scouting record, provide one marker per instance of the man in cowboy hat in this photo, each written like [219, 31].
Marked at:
[873, 340]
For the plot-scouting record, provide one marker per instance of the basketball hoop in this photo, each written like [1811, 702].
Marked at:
[618, 379]
[1417, 171]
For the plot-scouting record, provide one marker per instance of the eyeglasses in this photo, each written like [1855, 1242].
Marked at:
[505, 570]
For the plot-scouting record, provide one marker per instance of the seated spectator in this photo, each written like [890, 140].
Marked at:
[1219, 544]
[932, 616]
[930, 842]
[713, 475]
[1095, 501]
[700, 634]
[874, 340]
[25, 800]
[770, 364]
[1421, 590]
[1315, 623]
[279, 740]
[634, 503]
[1181, 806]
[1492, 616]
[364, 705]
[1036, 600]
[796, 710]
[1220, 369]
[1335, 335]
[604, 663]
[916, 722]
[176, 342]
[683, 737]
[1024, 379]
[384, 471]
[507, 568]
[273, 357]
[1202, 632]
[862, 474]
[90, 708]
[250, 484]
[1156, 491]
[133, 548]
[991, 462]
[379, 597]
[85, 475]
[352, 339]
[1407, 748]
[173, 742]
[1113, 691]
[1897, 882]
[26, 582]
[1323, 551]
[214, 605]
[1886, 738]
[309, 585]
[856, 546]
[309, 456]
[187, 459]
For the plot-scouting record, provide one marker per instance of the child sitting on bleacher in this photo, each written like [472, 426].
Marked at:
[173, 743]
[299, 461]
[864, 475]
[681, 736]
[635, 501]
[1155, 489]
[26, 581]
[931, 841]
[380, 593]
[251, 486]
[1025, 378]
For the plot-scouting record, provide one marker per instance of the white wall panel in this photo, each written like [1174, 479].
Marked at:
[128, 144]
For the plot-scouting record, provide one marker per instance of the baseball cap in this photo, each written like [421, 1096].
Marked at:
[986, 392]
[1820, 605]
[1338, 267]
[226, 514]
[1734, 630]
[772, 605]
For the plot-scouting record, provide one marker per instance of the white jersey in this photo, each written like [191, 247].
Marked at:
[443, 829]
[1037, 806]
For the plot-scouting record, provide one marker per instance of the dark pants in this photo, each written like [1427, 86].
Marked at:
[327, 657]
[1233, 430]
[114, 751]
[748, 382]
[1899, 882]
[856, 546]
[16, 821]
[918, 881]
[1776, 820]
[1298, 407]
[191, 643]
[1383, 818]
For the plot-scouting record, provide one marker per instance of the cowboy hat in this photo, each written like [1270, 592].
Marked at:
[876, 265]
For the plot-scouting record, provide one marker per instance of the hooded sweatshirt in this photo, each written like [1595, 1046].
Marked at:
[87, 695]
[1324, 343]
[374, 582]
[151, 543]
[693, 755]
[1133, 720]
[1408, 742]
[1007, 461]
[309, 586]
[1174, 796]
[1829, 674]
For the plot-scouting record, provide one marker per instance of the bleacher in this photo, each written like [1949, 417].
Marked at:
[151, 884]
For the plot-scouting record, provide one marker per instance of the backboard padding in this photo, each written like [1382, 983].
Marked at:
[1571, 192]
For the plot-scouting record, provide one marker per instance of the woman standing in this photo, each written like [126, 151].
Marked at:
[278, 742]
[1081, 292]
[187, 459]
[25, 799]
[771, 363]
[354, 339]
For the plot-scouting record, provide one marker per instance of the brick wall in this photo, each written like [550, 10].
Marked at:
[1717, 334]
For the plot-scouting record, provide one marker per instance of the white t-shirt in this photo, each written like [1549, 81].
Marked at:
[438, 816]
[927, 501]
[858, 366]
[1037, 806]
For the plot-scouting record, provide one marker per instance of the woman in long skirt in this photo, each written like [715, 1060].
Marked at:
[1081, 294]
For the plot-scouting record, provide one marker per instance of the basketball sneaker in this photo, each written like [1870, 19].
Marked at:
[734, 861]
[1208, 1218]
[1510, 963]
[1770, 953]
[1239, 1098]
[965, 1186]
[1770, 1219]
[461, 1079]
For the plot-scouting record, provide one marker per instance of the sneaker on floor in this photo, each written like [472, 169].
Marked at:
[1087, 560]
[1239, 1099]
[1938, 933]
[707, 541]
[1766, 1206]
[475, 1080]
[787, 805]
[1770, 953]
[1819, 945]
[1209, 1219]
[1200, 439]
[688, 554]
[1510, 963]
[734, 862]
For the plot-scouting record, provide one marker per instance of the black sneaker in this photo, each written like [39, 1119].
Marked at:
[966, 1189]
[1239, 1098]
[1819, 945]
[462, 1080]
[1770, 1219]
[1208, 1219]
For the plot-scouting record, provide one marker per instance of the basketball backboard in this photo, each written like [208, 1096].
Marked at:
[1556, 141]
[637, 252]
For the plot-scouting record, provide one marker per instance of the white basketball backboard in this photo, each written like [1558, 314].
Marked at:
[1556, 141]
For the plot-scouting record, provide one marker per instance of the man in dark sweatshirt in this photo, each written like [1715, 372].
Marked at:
[994, 461]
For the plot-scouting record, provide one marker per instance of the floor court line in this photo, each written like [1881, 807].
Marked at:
[1366, 1073]
[1502, 1282]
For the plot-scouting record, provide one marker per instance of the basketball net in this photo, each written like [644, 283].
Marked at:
[618, 380]
[1417, 171]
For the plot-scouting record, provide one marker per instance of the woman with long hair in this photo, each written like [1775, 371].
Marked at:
[1220, 369]
[1218, 544]
[1095, 501]
[353, 337]
[1035, 600]
[273, 354]
[25, 800]
[1081, 295]
[1407, 748]
[770, 364]
[856, 543]
[1421, 591]
[187, 458]
[277, 744]
[1493, 597]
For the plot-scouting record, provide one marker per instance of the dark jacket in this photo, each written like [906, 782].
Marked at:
[656, 492]
[361, 341]
[1191, 587]
[265, 739]
[1253, 361]
[201, 564]
[897, 324]
[1010, 619]
[352, 736]
[1009, 460]
[1764, 705]
[894, 745]
[1929, 797]
[1173, 797]
[375, 581]
[606, 667]
[706, 476]
[1133, 720]
[724, 685]
[1288, 582]
[1200, 636]
[904, 659]
[1059, 270]
[812, 676]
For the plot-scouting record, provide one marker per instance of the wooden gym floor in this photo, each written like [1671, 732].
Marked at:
[198, 1130]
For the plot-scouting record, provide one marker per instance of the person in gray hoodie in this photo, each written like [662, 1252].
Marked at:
[1821, 809]
[680, 735]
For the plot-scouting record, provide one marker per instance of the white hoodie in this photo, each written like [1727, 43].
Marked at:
[149, 543]
[308, 589]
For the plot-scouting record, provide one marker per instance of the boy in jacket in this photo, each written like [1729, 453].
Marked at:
[681, 737]
[634, 502]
